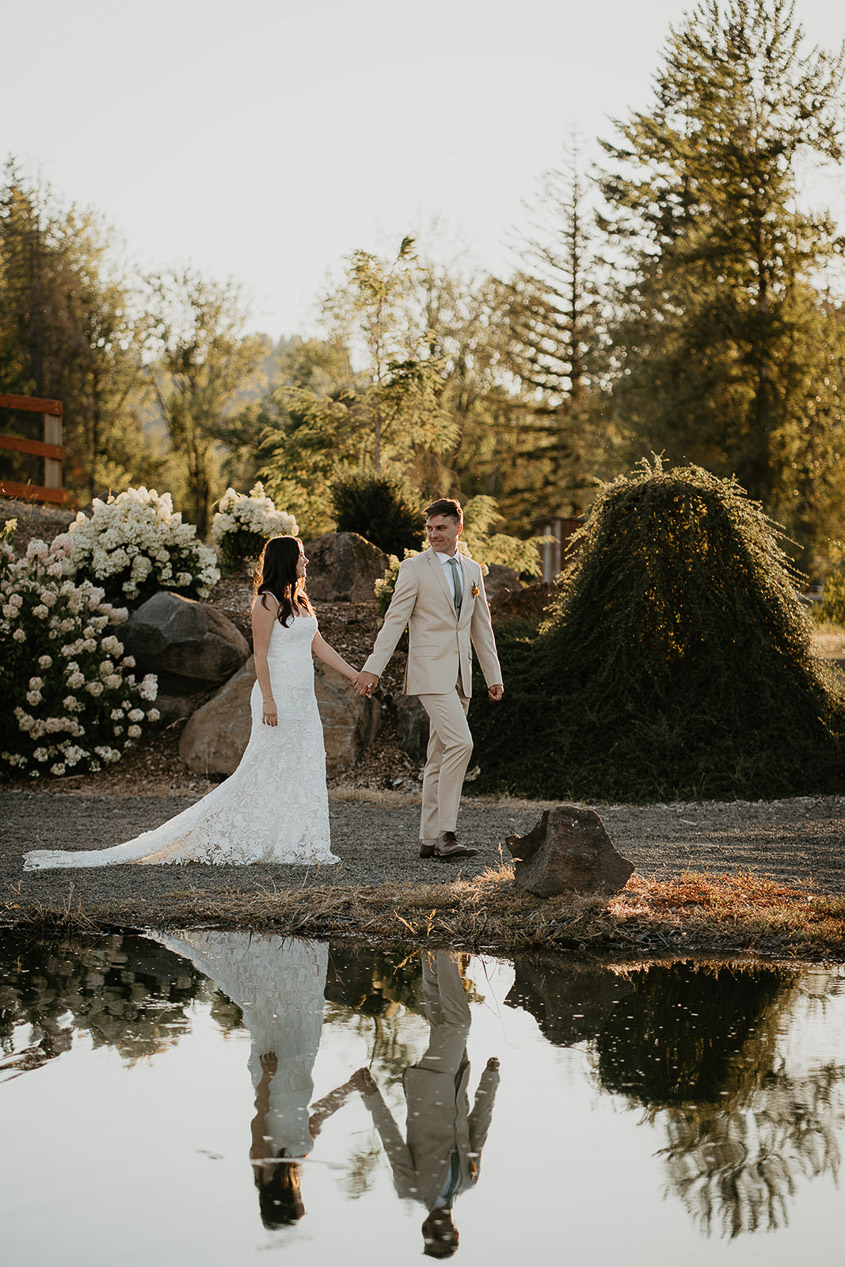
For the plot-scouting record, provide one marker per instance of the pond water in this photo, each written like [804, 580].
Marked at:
[211, 1097]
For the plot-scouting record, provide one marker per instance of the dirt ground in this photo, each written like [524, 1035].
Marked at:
[375, 835]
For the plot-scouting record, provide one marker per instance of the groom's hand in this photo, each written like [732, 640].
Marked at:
[496, 692]
[366, 684]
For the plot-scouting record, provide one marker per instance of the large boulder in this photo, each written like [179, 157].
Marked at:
[343, 567]
[214, 739]
[500, 581]
[189, 646]
[532, 602]
[350, 721]
[412, 726]
[568, 851]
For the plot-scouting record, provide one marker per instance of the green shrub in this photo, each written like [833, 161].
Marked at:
[832, 607]
[677, 663]
[378, 509]
[244, 523]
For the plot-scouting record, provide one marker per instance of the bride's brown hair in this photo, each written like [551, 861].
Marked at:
[275, 574]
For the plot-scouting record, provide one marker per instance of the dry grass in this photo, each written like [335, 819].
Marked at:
[696, 913]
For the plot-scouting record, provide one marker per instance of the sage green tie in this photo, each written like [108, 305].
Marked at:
[456, 580]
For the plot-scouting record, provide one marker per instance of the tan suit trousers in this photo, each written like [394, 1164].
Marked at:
[447, 758]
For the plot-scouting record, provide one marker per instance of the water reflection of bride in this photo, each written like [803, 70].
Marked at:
[279, 986]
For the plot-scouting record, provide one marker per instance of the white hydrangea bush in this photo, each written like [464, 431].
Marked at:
[244, 522]
[136, 544]
[71, 702]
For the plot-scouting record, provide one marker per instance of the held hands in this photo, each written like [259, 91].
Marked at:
[496, 692]
[366, 683]
[362, 1080]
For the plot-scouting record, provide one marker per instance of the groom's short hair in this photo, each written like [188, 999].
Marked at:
[446, 506]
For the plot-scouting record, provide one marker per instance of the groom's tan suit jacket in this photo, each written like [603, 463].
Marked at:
[439, 644]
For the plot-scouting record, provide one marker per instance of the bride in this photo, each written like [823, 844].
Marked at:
[274, 808]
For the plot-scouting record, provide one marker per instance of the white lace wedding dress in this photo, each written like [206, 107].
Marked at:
[279, 986]
[273, 809]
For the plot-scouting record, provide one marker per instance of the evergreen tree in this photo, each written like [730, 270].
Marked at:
[678, 663]
[204, 359]
[556, 347]
[723, 340]
[68, 331]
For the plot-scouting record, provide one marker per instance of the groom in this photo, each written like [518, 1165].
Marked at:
[439, 595]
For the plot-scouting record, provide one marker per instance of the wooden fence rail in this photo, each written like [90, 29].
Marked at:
[50, 449]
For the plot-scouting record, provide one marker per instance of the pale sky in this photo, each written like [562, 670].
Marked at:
[266, 139]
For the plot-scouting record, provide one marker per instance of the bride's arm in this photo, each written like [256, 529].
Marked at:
[264, 611]
[329, 656]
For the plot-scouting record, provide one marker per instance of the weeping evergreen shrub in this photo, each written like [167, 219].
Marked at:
[377, 508]
[677, 662]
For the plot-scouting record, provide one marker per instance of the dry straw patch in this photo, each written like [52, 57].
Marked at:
[695, 913]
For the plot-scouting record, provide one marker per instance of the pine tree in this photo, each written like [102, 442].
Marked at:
[718, 341]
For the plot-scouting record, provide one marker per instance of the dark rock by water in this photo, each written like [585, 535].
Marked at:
[569, 851]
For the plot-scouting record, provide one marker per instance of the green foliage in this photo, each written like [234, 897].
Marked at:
[69, 330]
[727, 350]
[204, 359]
[480, 515]
[379, 509]
[832, 607]
[677, 663]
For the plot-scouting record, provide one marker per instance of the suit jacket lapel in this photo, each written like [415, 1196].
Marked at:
[441, 579]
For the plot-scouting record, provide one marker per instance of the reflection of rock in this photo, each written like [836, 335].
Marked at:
[373, 982]
[570, 1001]
[190, 646]
[123, 991]
[411, 726]
[568, 851]
[343, 568]
[214, 740]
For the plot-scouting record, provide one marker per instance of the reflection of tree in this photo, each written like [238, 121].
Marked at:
[701, 1043]
[125, 991]
[735, 1169]
[368, 992]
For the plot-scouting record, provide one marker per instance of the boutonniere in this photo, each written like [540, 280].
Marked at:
[474, 590]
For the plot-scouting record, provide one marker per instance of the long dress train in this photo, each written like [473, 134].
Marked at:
[273, 809]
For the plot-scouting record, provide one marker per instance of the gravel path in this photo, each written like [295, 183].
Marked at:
[796, 839]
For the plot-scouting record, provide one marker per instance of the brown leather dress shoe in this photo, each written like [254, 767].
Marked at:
[446, 847]
[427, 848]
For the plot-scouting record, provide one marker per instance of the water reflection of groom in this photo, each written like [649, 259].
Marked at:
[443, 1151]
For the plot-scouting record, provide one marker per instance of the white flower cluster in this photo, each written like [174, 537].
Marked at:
[135, 543]
[83, 705]
[245, 521]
